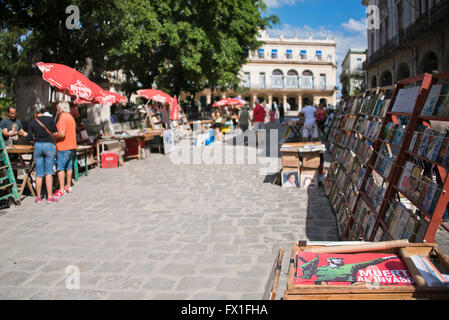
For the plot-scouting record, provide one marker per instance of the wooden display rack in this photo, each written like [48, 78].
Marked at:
[338, 134]
[368, 292]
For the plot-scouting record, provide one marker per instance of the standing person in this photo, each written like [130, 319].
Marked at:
[259, 114]
[66, 146]
[244, 119]
[41, 130]
[273, 114]
[217, 123]
[12, 127]
[281, 113]
[320, 117]
[165, 115]
[310, 128]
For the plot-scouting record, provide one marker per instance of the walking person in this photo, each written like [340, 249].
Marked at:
[66, 146]
[272, 114]
[217, 124]
[321, 117]
[41, 130]
[244, 119]
[259, 114]
[309, 128]
[281, 113]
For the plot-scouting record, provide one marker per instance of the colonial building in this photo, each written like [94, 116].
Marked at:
[291, 70]
[352, 77]
[407, 38]
[287, 70]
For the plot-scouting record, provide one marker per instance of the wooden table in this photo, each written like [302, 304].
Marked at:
[147, 136]
[101, 143]
[84, 151]
[20, 164]
[295, 127]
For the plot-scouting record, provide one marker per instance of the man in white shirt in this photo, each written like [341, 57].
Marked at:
[310, 128]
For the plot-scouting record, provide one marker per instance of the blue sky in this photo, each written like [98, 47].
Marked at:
[342, 19]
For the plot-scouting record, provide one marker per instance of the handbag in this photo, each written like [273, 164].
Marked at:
[46, 129]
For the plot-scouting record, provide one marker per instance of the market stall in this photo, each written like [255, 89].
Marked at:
[392, 270]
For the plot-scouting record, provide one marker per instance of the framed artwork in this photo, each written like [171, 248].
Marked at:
[169, 141]
[290, 178]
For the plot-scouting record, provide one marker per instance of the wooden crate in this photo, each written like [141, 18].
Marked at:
[367, 292]
[290, 159]
[311, 160]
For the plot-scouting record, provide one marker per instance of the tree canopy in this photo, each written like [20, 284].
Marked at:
[182, 45]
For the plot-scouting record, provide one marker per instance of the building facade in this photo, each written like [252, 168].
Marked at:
[287, 70]
[411, 38]
[297, 71]
[352, 77]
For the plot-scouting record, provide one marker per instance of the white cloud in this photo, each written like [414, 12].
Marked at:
[280, 3]
[355, 25]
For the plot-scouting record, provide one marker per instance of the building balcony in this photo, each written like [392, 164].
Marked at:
[423, 26]
[296, 60]
[291, 87]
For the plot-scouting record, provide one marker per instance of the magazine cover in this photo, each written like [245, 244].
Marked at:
[348, 269]
[432, 100]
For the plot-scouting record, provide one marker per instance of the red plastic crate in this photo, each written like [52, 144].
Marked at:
[109, 160]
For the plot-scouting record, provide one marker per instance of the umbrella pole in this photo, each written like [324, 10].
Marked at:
[148, 114]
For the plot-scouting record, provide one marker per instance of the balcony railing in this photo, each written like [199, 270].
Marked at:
[292, 83]
[422, 26]
[293, 59]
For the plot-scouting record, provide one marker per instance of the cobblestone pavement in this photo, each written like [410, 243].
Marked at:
[156, 230]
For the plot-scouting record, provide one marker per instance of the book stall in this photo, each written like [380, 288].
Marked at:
[391, 270]
[302, 159]
[390, 158]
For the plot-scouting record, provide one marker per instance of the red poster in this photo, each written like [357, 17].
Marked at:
[347, 269]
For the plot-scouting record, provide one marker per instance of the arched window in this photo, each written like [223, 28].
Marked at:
[374, 82]
[291, 81]
[429, 63]
[403, 71]
[277, 79]
[386, 79]
[307, 80]
[307, 73]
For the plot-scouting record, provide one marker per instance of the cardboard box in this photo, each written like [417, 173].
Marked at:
[311, 160]
[290, 159]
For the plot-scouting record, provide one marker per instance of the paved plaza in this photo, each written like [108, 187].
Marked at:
[156, 230]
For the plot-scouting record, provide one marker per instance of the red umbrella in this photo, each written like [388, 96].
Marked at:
[229, 102]
[155, 95]
[174, 112]
[69, 81]
[109, 98]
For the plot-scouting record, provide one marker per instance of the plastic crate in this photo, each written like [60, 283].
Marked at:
[109, 160]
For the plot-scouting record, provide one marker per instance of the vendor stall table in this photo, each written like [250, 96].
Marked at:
[418, 289]
[295, 127]
[139, 138]
[27, 165]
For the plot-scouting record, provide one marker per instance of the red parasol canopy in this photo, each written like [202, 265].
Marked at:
[156, 95]
[229, 102]
[174, 112]
[109, 98]
[69, 81]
